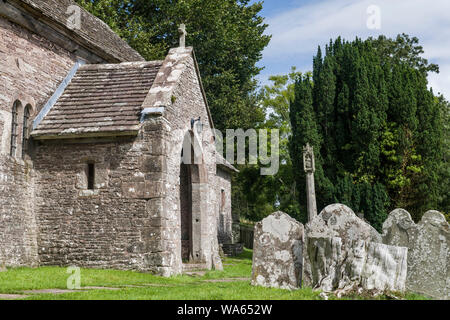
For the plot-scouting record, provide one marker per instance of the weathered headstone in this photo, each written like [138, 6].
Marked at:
[428, 256]
[338, 220]
[398, 228]
[277, 252]
[310, 167]
[338, 266]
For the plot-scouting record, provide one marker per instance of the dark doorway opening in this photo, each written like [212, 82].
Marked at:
[186, 212]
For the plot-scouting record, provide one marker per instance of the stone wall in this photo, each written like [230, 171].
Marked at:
[223, 207]
[187, 104]
[18, 246]
[31, 68]
[131, 220]
[116, 225]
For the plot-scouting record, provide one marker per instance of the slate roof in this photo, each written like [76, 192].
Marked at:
[94, 33]
[100, 100]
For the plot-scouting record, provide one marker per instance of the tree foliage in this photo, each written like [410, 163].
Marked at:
[377, 130]
[256, 196]
[227, 36]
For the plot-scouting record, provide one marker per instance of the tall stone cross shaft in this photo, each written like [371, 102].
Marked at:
[182, 32]
[310, 167]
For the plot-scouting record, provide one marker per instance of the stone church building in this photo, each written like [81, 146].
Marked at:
[93, 172]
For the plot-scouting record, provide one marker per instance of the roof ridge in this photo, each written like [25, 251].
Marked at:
[118, 66]
[92, 34]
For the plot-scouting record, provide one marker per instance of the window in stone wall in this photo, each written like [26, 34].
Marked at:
[25, 130]
[14, 128]
[91, 176]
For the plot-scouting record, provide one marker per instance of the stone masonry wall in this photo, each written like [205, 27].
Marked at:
[224, 217]
[18, 246]
[132, 218]
[31, 68]
[189, 104]
[116, 225]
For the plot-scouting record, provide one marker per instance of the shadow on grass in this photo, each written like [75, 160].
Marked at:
[247, 254]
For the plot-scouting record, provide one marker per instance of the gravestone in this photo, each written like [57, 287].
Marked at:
[428, 256]
[336, 220]
[277, 252]
[340, 267]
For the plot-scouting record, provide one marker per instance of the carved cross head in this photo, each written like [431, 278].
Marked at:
[308, 159]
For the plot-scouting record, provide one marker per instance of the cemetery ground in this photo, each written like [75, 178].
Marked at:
[233, 283]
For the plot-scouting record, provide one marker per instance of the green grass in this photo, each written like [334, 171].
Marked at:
[15, 281]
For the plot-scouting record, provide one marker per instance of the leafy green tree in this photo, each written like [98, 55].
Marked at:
[256, 196]
[378, 132]
[443, 171]
[227, 36]
[404, 49]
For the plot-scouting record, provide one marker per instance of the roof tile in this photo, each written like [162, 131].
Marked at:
[101, 98]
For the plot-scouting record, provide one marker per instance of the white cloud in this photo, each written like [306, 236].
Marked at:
[297, 33]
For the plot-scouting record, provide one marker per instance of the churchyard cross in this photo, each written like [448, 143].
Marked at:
[310, 168]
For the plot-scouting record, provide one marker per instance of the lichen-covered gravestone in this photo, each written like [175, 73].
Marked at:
[277, 252]
[428, 256]
[336, 220]
[338, 266]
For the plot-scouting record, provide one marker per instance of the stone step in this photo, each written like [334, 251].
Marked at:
[187, 267]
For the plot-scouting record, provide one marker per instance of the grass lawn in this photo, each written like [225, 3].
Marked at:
[129, 285]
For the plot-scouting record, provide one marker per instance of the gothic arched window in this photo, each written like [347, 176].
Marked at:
[25, 130]
[14, 127]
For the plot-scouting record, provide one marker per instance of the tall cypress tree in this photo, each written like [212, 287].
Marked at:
[376, 128]
[305, 130]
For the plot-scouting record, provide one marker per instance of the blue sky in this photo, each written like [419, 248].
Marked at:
[299, 26]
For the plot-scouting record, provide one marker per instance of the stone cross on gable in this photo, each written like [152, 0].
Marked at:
[182, 32]
[310, 167]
